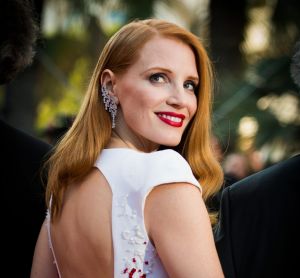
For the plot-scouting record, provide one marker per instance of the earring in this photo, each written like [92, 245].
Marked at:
[110, 105]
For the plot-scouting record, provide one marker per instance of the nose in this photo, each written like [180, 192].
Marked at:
[177, 97]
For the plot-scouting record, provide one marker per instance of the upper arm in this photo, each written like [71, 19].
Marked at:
[42, 264]
[179, 226]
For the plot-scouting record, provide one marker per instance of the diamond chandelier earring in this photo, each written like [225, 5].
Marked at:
[110, 105]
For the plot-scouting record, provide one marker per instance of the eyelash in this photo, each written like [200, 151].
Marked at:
[153, 79]
[189, 82]
[155, 75]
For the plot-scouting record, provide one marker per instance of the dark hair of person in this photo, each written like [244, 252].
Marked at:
[19, 32]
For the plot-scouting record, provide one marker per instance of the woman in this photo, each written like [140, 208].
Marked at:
[121, 202]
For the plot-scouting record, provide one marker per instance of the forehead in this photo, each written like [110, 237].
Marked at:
[167, 53]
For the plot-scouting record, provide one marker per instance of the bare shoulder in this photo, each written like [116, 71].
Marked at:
[170, 202]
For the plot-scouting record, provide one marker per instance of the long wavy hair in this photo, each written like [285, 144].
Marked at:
[75, 155]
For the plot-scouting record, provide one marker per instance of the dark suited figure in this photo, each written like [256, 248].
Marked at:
[256, 235]
[21, 156]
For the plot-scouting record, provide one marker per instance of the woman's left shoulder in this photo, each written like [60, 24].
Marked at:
[168, 166]
[169, 158]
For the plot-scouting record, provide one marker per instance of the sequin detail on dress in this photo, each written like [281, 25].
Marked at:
[139, 261]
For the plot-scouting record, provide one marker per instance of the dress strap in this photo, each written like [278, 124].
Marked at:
[48, 224]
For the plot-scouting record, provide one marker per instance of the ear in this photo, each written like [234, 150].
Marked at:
[108, 80]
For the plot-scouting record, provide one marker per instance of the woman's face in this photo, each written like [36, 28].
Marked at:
[157, 93]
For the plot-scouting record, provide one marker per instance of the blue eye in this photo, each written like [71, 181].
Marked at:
[158, 78]
[190, 85]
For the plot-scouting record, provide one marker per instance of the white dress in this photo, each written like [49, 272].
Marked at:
[131, 176]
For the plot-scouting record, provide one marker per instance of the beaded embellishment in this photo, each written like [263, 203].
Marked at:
[110, 105]
[139, 261]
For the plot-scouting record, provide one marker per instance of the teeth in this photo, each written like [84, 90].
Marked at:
[171, 118]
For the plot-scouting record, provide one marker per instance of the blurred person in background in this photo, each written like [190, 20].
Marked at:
[217, 148]
[21, 155]
[236, 166]
[256, 234]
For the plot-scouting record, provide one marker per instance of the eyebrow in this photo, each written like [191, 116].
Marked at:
[193, 78]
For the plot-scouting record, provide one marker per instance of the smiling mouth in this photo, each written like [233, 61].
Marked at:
[171, 118]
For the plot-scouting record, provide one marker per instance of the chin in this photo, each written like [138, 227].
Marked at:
[173, 142]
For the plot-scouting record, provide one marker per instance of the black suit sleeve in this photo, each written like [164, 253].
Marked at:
[256, 236]
[223, 236]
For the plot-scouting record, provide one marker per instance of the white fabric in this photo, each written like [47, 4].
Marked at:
[131, 176]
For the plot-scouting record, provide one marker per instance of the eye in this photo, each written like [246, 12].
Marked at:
[158, 78]
[190, 85]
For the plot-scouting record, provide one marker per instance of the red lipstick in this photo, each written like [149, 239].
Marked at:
[171, 118]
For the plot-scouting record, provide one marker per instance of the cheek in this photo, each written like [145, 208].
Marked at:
[141, 98]
[193, 103]
[134, 103]
[131, 92]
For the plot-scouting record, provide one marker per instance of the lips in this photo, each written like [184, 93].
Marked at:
[171, 118]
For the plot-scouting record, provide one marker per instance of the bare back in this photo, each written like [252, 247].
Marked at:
[82, 236]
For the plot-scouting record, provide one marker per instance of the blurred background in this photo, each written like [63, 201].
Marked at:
[256, 104]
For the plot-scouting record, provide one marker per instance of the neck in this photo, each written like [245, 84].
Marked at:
[119, 140]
